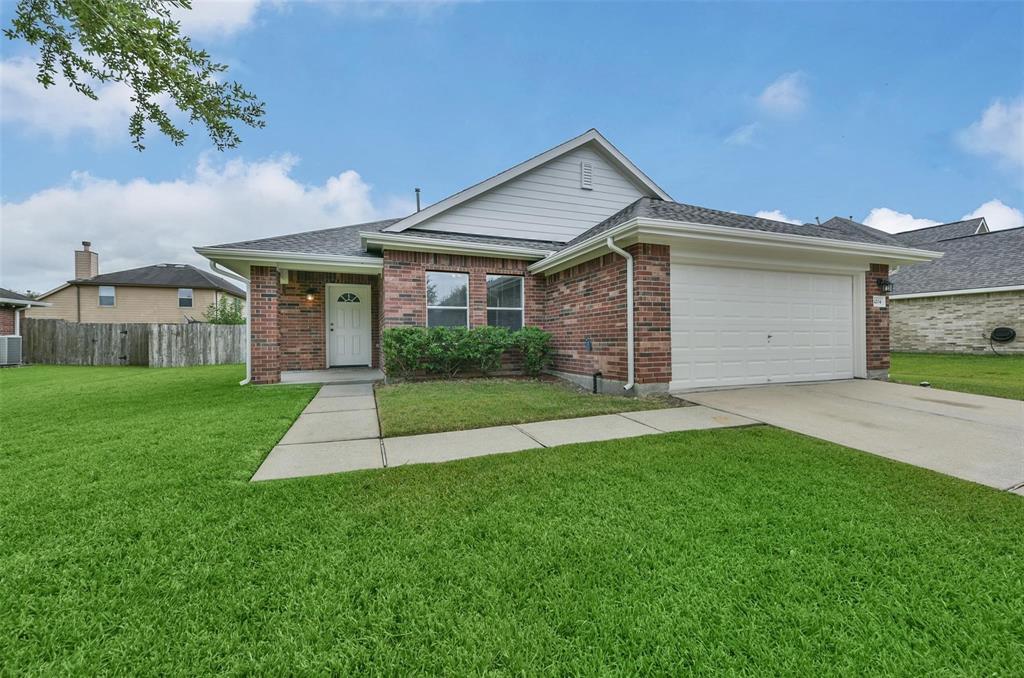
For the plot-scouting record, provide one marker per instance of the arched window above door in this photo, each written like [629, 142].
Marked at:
[349, 297]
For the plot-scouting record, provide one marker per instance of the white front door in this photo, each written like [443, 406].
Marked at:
[736, 326]
[348, 325]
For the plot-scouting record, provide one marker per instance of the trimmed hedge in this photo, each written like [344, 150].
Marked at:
[447, 351]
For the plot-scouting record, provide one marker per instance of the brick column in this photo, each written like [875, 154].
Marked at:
[265, 345]
[652, 314]
[876, 324]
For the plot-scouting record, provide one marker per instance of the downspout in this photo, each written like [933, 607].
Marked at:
[216, 268]
[630, 369]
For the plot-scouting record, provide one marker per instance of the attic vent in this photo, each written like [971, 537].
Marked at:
[586, 175]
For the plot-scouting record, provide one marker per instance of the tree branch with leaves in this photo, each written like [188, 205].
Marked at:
[137, 43]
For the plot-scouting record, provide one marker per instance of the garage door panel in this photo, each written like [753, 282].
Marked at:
[733, 327]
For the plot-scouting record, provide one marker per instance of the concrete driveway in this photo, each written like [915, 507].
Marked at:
[973, 437]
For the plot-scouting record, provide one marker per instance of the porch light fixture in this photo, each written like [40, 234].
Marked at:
[884, 284]
[311, 294]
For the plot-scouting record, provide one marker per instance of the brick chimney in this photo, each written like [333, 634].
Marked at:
[87, 262]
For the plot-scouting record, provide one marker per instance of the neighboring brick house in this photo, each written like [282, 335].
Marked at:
[558, 241]
[953, 304]
[12, 311]
[163, 293]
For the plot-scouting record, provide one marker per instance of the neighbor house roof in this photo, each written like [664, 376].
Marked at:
[163, 275]
[10, 298]
[930, 234]
[975, 262]
[652, 208]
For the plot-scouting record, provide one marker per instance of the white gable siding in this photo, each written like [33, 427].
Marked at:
[546, 203]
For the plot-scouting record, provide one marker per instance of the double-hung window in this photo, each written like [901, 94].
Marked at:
[107, 295]
[184, 297]
[447, 299]
[505, 301]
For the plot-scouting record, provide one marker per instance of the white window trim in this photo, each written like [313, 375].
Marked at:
[426, 316]
[522, 298]
[100, 295]
[191, 297]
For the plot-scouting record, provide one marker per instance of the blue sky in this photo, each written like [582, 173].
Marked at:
[915, 111]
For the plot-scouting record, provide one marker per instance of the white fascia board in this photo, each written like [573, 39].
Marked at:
[956, 293]
[296, 260]
[23, 302]
[462, 196]
[404, 241]
[646, 230]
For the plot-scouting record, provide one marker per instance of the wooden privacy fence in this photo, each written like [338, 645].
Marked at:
[57, 342]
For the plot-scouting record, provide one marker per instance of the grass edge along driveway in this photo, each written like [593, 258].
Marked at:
[131, 542]
[991, 375]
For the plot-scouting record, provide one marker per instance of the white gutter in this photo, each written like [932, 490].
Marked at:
[290, 259]
[630, 366]
[25, 303]
[404, 241]
[954, 293]
[216, 268]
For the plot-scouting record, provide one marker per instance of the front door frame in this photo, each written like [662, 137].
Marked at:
[328, 300]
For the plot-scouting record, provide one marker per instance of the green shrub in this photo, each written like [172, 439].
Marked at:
[404, 350]
[535, 345]
[447, 351]
[225, 312]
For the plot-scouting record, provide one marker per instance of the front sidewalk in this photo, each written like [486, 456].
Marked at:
[338, 431]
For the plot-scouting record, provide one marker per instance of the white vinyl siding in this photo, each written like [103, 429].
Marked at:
[738, 326]
[546, 203]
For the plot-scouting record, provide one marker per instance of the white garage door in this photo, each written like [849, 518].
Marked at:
[735, 326]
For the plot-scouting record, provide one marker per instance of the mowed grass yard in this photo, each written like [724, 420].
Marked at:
[992, 375]
[131, 542]
[456, 405]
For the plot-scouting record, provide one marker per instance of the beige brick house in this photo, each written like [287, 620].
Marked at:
[953, 304]
[163, 293]
[653, 294]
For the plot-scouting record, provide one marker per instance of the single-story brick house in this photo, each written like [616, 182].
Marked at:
[12, 310]
[952, 305]
[653, 294]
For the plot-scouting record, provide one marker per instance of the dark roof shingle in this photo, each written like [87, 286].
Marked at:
[993, 259]
[930, 234]
[163, 275]
[340, 241]
[13, 296]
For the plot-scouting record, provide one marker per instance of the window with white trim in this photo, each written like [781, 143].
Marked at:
[447, 299]
[107, 295]
[184, 297]
[505, 301]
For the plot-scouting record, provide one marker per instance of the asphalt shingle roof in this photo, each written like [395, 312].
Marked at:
[163, 275]
[652, 208]
[923, 236]
[341, 241]
[993, 259]
[14, 296]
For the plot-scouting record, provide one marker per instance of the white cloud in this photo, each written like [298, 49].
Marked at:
[777, 215]
[743, 136]
[141, 222]
[217, 18]
[999, 132]
[786, 97]
[60, 111]
[891, 221]
[998, 215]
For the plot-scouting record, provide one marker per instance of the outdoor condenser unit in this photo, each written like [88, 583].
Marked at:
[10, 350]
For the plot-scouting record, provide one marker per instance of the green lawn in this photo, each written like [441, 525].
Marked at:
[132, 543]
[1001, 376]
[432, 406]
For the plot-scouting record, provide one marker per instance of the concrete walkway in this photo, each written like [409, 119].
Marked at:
[338, 432]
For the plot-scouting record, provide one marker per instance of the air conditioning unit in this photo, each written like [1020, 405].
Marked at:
[10, 350]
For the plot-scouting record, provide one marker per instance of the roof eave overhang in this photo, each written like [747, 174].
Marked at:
[23, 303]
[590, 136]
[660, 231]
[403, 241]
[239, 261]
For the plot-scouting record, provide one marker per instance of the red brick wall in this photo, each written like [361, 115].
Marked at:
[405, 286]
[265, 344]
[876, 321]
[7, 320]
[589, 301]
[302, 322]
